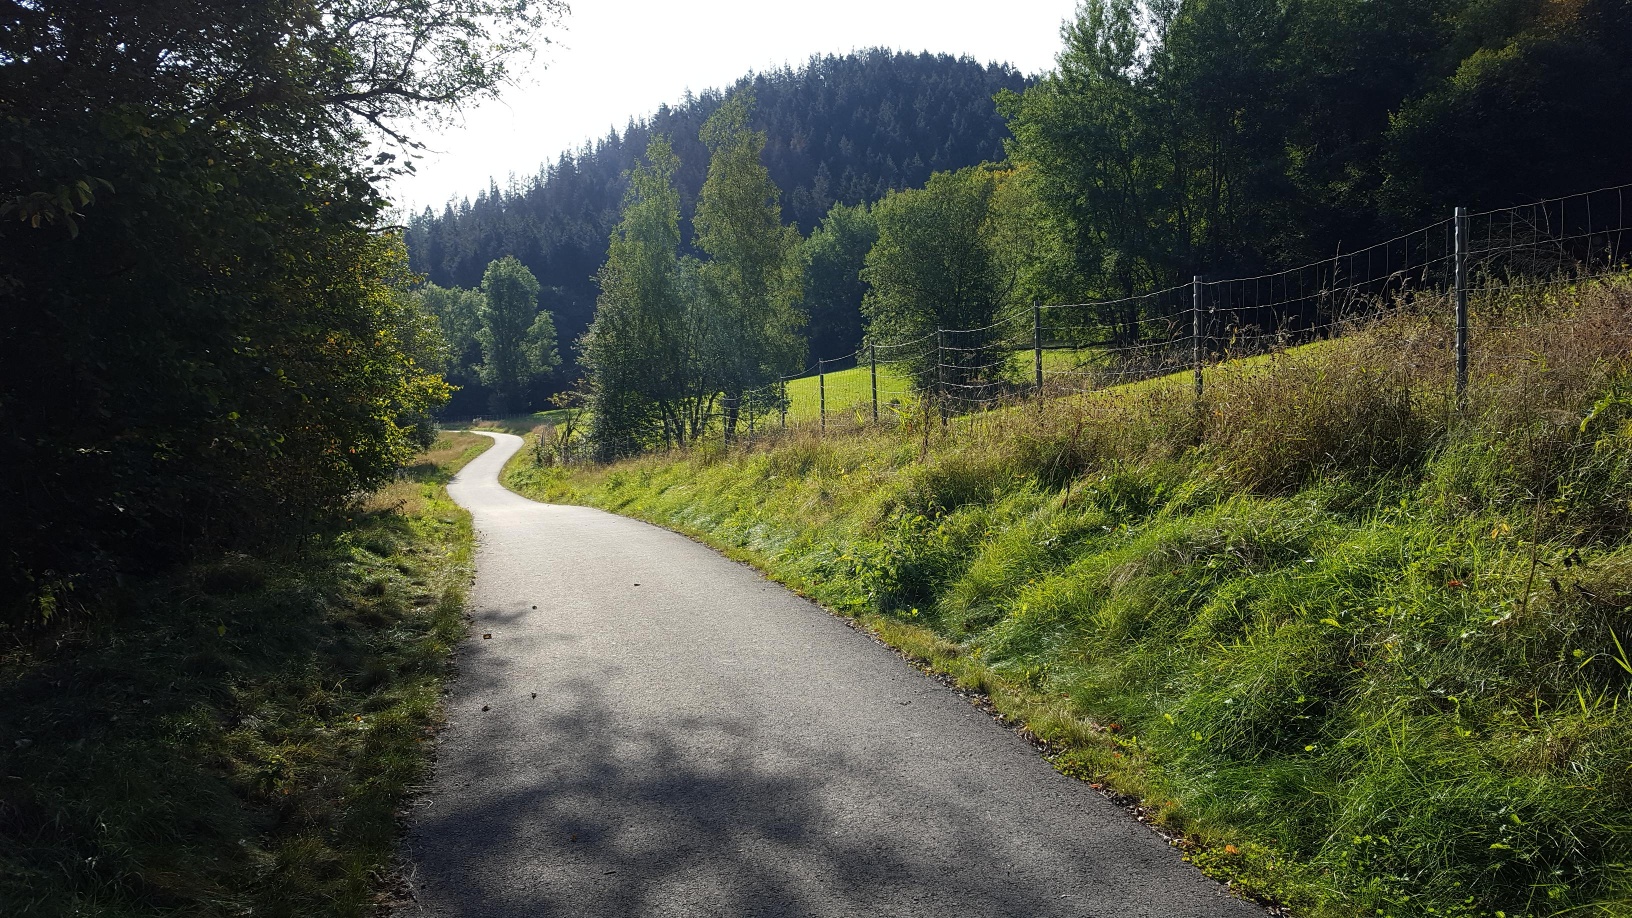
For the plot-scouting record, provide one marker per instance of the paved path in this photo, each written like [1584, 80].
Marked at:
[705, 743]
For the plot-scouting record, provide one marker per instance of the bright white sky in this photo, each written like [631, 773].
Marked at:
[620, 58]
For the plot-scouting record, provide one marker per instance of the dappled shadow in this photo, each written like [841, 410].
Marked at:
[575, 812]
[710, 745]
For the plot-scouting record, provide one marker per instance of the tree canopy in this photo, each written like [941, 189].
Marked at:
[205, 332]
[937, 266]
[833, 257]
[641, 349]
[679, 340]
[751, 281]
[1227, 136]
[517, 338]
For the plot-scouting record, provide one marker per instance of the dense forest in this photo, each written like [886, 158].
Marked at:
[840, 129]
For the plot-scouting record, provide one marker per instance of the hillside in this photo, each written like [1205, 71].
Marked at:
[839, 130]
[1363, 650]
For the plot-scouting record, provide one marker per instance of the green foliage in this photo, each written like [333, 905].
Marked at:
[751, 283]
[1088, 135]
[676, 339]
[935, 266]
[459, 315]
[242, 733]
[516, 337]
[639, 348]
[833, 256]
[840, 129]
[1225, 136]
[208, 339]
[1369, 655]
[1513, 106]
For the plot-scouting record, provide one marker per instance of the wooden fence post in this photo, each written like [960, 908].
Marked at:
[1461, 306]
[1037, 344]
[1195, 332]
[872, 358]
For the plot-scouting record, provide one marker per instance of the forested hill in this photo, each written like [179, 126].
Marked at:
[839, 129]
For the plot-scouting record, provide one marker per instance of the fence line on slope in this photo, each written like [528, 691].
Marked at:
[1082, 348]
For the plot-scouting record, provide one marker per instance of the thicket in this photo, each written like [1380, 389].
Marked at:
[1366, 648]
[205, 334]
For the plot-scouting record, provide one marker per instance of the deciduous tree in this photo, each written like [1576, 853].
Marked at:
[517, 338]
[205, 332]
[935, 267]
[748, 291]
[833, 256]
[640, 350]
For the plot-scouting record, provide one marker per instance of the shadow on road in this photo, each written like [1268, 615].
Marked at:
[693, 819]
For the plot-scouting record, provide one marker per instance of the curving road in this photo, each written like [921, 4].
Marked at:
[705, 743]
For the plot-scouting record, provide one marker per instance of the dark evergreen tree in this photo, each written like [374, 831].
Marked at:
[838, 130]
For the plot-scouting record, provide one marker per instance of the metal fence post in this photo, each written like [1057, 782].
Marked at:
[1195, 332]
[1037, 344]
[1461, 305]
[872, 358]
[821, 391]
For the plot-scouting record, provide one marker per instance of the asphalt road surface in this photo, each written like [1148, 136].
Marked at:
[654, 730]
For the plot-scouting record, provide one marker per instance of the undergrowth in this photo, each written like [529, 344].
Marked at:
[1364, 647]
[239, 738]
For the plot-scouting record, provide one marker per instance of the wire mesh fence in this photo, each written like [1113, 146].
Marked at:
[1468, 264]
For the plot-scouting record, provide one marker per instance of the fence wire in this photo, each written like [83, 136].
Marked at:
[1088, 349]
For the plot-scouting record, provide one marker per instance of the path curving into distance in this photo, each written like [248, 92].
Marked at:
[706, 743]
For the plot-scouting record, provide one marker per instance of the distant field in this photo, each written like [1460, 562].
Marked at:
[517, 424]
[847, 390]
[851, 389]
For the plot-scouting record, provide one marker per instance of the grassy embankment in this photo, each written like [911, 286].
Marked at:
[241, 737]
[1367, 651]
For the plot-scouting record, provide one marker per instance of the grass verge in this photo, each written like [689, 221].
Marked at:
[1364, 650]
[239, 738]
